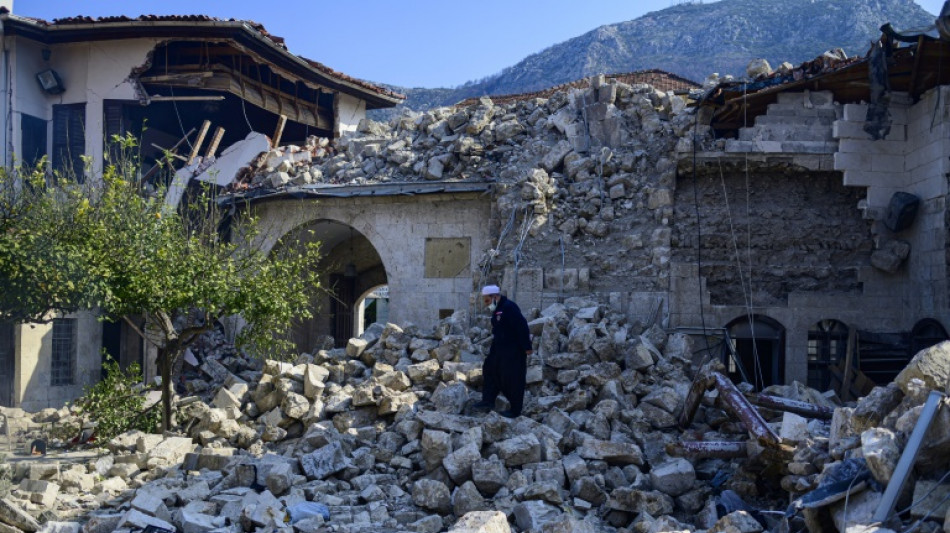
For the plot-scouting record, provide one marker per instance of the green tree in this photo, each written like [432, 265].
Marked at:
[118, 249]
[43, 265]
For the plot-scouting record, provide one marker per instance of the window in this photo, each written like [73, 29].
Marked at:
[69, 139]
[64, 352]
[33, 145]
[7, 364]
[827, 346]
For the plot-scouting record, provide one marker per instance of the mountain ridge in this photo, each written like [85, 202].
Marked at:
[691, 40]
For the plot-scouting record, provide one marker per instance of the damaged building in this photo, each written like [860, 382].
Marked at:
[688, 257]
[70, 85]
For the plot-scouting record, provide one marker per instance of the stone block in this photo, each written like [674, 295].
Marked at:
[325, 461]
[930, 498]
[931, 365]
[169, 451]
[880, 448]
[432, 495]
[482, 522]
[532, 515]
[152, 504]
[225, 399]
[12, 514]
[612, 452]
[61, 527]
[134, 519]
[794, 427]
[41, 492]
[737, 522]
[520, 450]
[673, 477]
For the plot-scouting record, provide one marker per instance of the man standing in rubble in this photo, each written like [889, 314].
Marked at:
[506, 367]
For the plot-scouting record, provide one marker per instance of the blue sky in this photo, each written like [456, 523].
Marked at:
[412, 43]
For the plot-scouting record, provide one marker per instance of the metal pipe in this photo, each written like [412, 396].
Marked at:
[792, 406]
[737, 404]
[906, 462]
[707, 449]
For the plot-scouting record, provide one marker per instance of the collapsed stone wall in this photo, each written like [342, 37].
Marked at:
[802, 233]
[587, 198]
[584, 179]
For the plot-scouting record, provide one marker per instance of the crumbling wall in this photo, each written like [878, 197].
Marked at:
[801, 233]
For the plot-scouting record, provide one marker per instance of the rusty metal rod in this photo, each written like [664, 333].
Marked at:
[696, 391]
[792, 406]
[707, 449]
[740, 407]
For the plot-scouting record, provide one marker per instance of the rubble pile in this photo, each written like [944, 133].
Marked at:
[583, 165]
[380, 436]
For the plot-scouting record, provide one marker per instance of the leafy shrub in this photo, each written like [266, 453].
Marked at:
[117, 403]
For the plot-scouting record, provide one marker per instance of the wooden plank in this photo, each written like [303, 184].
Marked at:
[198, 142]
[170, 152]
[279, 132]
[215, 141]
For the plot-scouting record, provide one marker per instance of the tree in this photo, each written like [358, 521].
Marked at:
[43, 266]
[117, 249]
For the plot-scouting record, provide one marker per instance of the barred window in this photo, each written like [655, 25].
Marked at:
[64, 352]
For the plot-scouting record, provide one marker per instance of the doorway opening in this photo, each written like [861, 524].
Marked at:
[758, 345]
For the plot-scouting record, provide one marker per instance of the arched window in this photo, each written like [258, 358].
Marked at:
[757, 351]
[827, 345]
[926, 333]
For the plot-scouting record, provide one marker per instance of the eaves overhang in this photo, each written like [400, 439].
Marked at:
[303, 192]
[241, 33]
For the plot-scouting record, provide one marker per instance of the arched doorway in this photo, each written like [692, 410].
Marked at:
[827, 345]
[926, 333]
[371, 307]
[349, 267]
[758, 345]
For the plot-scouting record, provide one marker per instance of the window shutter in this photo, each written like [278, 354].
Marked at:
[69, 139]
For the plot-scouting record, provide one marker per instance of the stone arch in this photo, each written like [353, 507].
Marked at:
[758, 343]
[380, 307]
[405, 229]
[349, 265]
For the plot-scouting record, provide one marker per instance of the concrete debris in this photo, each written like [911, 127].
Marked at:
[622, 430]
[597, 447]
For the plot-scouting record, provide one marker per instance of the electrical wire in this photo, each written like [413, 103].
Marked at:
[244, 110]
[750, 309]
[699, 239]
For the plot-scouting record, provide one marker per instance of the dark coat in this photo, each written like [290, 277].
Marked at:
[509, 328]
[505, 369]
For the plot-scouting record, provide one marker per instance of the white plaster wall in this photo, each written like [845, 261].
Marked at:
[349, 111]
[91, 72]
[397, 227]
[32, 388]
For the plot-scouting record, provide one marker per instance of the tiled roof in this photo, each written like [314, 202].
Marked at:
[659, 79]
[259, 28]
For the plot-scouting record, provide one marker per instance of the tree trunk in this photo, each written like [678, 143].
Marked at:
[166, 362]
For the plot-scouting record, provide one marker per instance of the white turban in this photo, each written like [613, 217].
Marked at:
[488, 290]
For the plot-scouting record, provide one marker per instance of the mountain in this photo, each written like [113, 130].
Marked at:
[694, 39]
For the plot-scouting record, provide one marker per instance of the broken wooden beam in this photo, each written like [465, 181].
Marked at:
[215, 141]
[279, 131]
[198, 142]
